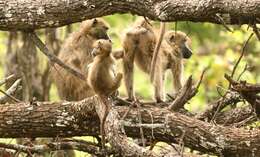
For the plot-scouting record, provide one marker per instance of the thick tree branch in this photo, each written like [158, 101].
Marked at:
[83, 146]
[66, 119]
[34, 14]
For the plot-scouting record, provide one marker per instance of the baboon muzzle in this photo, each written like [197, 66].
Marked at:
[186, 52]
[103, 36]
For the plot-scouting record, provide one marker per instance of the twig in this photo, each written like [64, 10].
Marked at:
[232, 75]
[8, 78]
[10, 91]
[256, 31]
[221, 20]
[54, 59]
[201, 77]
[244, 70]
[140, 122]
[241, 56]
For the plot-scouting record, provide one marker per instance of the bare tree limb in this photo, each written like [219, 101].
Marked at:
[10, 92]
[230, 98]
[66, 119]
[37, 41]
[8, 78]
[55, 146]
[34, 14]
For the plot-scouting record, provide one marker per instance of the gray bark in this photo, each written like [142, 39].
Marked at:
[67, 119]
[34, 14]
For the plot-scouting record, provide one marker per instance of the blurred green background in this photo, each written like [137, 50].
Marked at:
[213, 46]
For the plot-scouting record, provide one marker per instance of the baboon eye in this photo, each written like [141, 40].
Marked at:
[94, 22]
[106, 28]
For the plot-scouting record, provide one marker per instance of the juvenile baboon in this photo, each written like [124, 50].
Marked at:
[102, 77]
[76, 52]
[139, 44]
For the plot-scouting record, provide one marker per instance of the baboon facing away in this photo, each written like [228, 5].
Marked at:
[76, 52]
[102, 77]
[139, 43]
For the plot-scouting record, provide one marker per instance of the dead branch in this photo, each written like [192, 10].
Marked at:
[37, 41]
[235, 116]
[221, 103]
[10, 92]
[83, 146]
[248, 91]
[256, 31]
[55, 13]
[183, 96]
[66, 119]
[186, 93]
[241, 56]
[8, 78]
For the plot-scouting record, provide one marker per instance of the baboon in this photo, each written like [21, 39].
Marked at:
[102, 77]
[139, 43]
[76, 52]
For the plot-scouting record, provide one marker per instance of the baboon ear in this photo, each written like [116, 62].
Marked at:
[99, 43]
[94, 22]
[172, 38]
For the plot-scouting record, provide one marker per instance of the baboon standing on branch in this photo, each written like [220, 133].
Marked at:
[139, 43]
[103, 78]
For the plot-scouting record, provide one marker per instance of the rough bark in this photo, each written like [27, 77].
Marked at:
[66, 119]
[33, 14]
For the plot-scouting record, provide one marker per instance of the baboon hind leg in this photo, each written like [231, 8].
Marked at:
[128, 69]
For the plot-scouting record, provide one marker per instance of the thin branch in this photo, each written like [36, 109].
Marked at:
[256, 31]
[10, 92]
[8, 78]
[220, 19]
[54, 59]
[241, 74]
[220, 105]
[241, 56]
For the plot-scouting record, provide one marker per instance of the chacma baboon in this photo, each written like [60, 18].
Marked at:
[102, 77]
[139, 43]
[76, 52]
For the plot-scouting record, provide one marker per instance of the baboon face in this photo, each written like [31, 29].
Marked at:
[179, 41]
[96, 28]
[102, 47]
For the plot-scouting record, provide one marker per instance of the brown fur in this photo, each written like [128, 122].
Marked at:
[76, 52]
[139, 43]
[102, 77]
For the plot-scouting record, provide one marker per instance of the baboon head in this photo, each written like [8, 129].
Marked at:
[102, 47]
[96, 28]
[180, 42]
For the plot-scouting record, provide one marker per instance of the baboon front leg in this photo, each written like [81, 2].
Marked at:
[177, 71]
[128, 68]
[158, 83]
